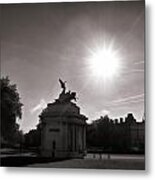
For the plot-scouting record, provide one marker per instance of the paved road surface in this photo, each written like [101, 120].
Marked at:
[114, 163]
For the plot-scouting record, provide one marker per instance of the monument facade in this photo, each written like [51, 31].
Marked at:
[63, 131]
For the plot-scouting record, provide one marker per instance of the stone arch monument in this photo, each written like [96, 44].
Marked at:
[63, 130]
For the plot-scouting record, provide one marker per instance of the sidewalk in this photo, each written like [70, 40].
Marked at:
[131, 164]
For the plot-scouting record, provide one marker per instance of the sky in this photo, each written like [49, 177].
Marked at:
[41, 43]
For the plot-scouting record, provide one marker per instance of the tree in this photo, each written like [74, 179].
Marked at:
[98, 133]
[130, 118]
[11, 109]
[32, 138]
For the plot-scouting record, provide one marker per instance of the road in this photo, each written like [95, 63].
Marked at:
[90, 161]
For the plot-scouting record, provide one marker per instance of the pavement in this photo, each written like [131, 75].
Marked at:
[137, 164]
[12, 158]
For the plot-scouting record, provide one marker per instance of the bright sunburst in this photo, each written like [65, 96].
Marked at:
[105, 63]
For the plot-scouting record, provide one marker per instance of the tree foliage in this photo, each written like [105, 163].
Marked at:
[11, 108]
[111, 135]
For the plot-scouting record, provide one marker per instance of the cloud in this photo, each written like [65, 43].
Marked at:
[104, 112]
[136, 97]
[127, 100]
[101, 113]
[41, 105]
[134, 71]
[139, 62]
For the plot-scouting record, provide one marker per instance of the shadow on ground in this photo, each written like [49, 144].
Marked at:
[19, 161]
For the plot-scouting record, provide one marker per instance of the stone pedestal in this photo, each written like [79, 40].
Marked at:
[63, 133]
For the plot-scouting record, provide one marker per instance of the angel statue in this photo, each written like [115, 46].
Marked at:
[66, 96]
[63, 86]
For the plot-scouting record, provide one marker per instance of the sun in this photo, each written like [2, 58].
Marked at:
[105, 63]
